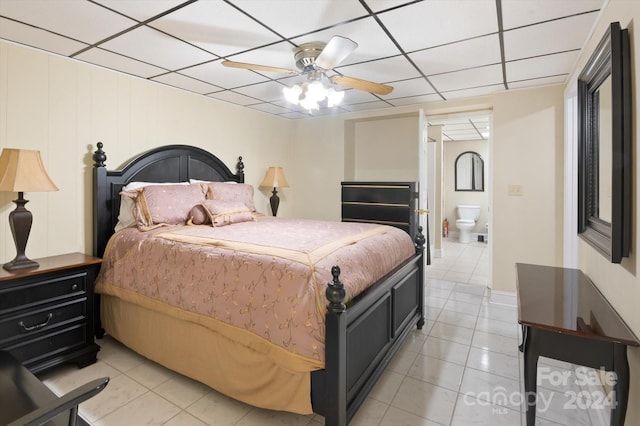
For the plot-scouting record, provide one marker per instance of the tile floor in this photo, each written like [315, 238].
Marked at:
[463, 368]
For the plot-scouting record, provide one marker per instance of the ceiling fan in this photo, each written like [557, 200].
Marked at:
[314, 59]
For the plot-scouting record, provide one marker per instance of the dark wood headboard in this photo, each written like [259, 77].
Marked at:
[171, 163]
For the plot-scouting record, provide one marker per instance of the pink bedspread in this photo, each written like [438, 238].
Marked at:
[267, 277]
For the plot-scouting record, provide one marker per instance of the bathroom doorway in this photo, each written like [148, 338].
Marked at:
[461, 147]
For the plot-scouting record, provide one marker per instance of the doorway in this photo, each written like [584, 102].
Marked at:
[451, 136]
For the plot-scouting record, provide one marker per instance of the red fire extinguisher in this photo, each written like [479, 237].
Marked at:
[445, 228]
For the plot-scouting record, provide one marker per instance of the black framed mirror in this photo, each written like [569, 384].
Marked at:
[469, 172]
[604, 146]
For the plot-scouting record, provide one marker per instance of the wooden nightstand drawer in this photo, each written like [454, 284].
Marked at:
[47, 313]
[29, 323]
[37, 292]
[49, 345]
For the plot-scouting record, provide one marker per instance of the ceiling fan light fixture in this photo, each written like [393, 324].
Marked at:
[310, 93]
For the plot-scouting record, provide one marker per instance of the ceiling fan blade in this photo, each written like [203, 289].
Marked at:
[367, 86]
[335, 52]
[257, 67]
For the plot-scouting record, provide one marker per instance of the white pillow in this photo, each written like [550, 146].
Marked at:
[125, 216]
[207, 181]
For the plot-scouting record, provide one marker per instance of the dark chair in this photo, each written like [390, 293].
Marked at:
[25, 400]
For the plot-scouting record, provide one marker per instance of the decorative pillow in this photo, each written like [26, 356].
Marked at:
[127, 203]
[165, 205]
[223, 213]
[198, 216]
[224, 192]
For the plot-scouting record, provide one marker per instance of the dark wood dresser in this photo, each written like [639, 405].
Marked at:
[387, 203]
[47, 313]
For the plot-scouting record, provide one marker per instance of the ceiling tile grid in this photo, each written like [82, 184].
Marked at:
[428, 51]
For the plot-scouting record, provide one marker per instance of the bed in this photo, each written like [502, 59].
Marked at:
[360, 329]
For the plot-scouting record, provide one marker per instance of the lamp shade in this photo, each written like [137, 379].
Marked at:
[21, 170]
[274, 178]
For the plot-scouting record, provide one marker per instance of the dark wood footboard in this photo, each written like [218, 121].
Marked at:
[362, 338]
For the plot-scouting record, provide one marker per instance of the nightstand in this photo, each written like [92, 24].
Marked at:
[47, 313]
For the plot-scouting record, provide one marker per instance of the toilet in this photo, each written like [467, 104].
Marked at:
[467, 216]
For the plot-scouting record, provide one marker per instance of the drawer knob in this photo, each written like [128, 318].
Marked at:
[37, 326]
[75, 287]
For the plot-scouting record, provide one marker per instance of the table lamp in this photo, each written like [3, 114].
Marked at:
[274, 179]
[21, 170]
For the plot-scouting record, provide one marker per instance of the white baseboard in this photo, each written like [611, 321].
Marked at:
[507, 298]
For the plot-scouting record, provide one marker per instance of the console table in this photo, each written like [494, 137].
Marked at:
[565, 317]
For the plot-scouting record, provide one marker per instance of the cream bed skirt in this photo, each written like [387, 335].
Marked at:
[207, 356]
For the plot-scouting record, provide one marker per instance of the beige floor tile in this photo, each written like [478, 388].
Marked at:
[184, 419]
[387, 386]
[148, 409]
[494, 362]
[182, 391]
[117, 355]
[436, 371]
[452, 332]
[425, 400]
[150, 374]
[446, 350]
[495, 343]
[120, 391]
[473, 412]
[395, 417]
[260, 417]
[458, 318]
[217, 409]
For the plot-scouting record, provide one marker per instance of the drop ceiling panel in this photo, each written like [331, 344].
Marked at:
[406, 88]
[469, 78]
[35, 37]
[215, 27]
[433, 23]
[516, 13]
[542, 66]
[158, 49]
[234, 98]
[473, 92]
[293, 18]
[456, 56]
[70, 18]
[269, 91]
[544, 81]
[118, 62]
[186, 83]
[215, 73]
[414, 100]
[367, 106]
[548, 37]
[140, 10]
[386, 70]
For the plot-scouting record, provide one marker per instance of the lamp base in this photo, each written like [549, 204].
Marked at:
[18, 264]
[275, 202]
[20, 223]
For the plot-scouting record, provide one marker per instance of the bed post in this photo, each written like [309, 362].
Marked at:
[336, 359]
[99, 195]
[419, 242]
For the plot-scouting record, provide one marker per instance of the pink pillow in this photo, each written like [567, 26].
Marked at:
[198, 216]
[223, 213]
[164, 205]
[241, 192]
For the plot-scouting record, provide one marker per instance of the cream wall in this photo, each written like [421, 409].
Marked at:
[63, 108]
[526, 150]
[453, 198]
[619, 282]
[386, 149]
